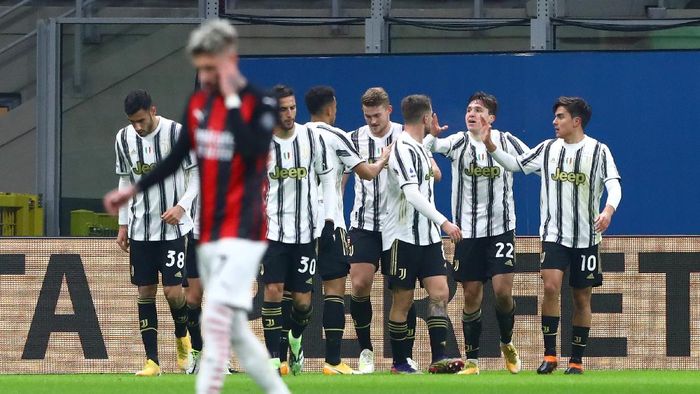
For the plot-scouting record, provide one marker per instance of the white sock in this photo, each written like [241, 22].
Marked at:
[253, 356]
[216, 331]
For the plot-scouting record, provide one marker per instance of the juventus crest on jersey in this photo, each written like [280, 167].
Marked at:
[136, 156]
[409, 164]
[369, 207]
[342, 155]
[292, 196]
[573, 178]
[482, 190]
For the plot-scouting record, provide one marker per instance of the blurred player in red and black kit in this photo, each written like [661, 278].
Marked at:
[228, 124]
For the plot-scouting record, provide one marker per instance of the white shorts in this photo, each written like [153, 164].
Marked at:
[228, 267]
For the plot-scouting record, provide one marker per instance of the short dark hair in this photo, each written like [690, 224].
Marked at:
[488, 100]
[415, 106]
[576, 106]
[282, 91]
[137, 100]
[318, 97]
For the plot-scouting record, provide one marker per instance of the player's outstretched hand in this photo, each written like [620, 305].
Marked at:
[325, 242]
[435, 128]
[116, 198]
[452, 231]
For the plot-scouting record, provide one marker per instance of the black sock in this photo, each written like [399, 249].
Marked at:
[506, 321]
[411, 335]
[397, 336]
[148, 321]
[579, 338]
[193, 315]
[361, 312]
[286, 322]
[179, 314]
[333, 326]
[300, 319]
[471, 328]
[272, 326]
[437, 329]
[550, 326]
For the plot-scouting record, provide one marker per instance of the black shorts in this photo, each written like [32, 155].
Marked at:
[584, 263]
[147, 258]
[480, 259]
[407, 262]
[191, 260]
[365, 247]
[333, 264]
[291, 264]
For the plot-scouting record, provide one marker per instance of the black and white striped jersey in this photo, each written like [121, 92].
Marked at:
[293, 193]
[369, 207]
[342, 155]
[136, 156]
[573, 179]
[409, 163]
[482, 190]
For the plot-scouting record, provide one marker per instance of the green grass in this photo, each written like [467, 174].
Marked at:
[605, 382]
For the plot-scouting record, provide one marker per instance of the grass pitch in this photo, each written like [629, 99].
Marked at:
[606, 382]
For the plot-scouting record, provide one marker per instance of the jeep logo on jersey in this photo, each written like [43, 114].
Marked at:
[488, 172]
[577, 178]
[430, 174]
[143, 168]
[294, 173]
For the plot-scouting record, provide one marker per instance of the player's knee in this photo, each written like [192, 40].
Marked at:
[194, 299]
[437, 306]
[551, 289]
[173, 293]
[274, 291]
[504, 301]
[361, 285]
[472, 294]
[302, 305]
[148, 291]
[582, 301]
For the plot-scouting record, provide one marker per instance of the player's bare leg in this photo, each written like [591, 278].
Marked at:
[505, 314]
[551, 279]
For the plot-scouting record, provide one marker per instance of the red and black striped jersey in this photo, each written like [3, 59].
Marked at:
[232, 147]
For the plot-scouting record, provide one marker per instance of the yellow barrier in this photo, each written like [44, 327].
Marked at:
[21, 215]
[84, 223]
